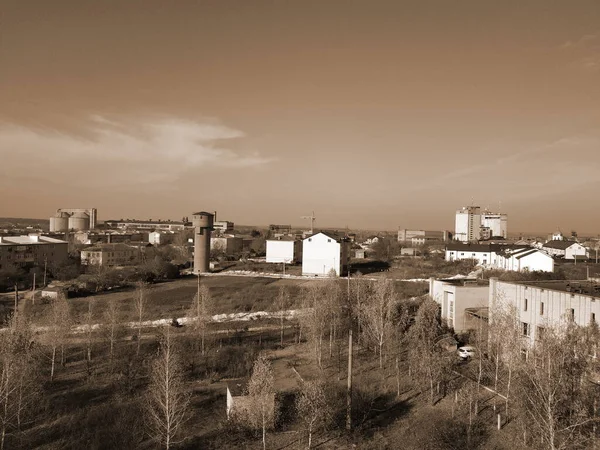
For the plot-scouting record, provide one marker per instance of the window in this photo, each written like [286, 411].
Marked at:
[328, 240]
[525, 305]
[526, 328]
[541, 308]
[309, 239]
[539, 333]
[462, 254]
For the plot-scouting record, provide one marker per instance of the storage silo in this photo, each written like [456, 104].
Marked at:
[59, 222]
[203, 225]
[79, 221]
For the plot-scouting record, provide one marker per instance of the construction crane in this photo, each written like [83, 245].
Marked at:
[312, 221]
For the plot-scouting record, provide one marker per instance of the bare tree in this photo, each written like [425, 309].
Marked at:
[261, 393]
[313, 407]
[200, 311]
[167, 401]
[112, 326]
[315, 319]
[19, 380]
[551, 383]
[89, 330]
[427, 357]
[282, 301]
[58, 325]
[140, 299]
[377, 314]
[332, 307]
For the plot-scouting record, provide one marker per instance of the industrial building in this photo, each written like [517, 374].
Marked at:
[472, 225]
[323, 252]
[419, 237]
[223, 226]
[110, 255]
[32, 250]
[285, 249]
[203, 225]
[74, 219]
[162, 225]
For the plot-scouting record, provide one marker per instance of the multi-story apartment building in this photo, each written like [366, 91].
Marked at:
[110, 255]
[32, 250]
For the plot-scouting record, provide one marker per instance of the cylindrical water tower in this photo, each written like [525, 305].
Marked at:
[59, 222]
[203, 225]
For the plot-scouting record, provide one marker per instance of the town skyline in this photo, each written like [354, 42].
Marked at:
[375, 116]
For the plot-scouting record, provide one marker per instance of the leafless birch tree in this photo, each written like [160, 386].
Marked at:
[282, 302]
[58, 325]
[167, 400]
[200, 313]
[312, 407]
[261, 393]
[140, 300]
[377, 314]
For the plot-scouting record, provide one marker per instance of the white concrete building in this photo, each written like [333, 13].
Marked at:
[460, 300]
[505, 257]
[284, 250]
[545, 304]
[468, 221]
[566, 249]
[525, 260]
[323, 252]
[484, 254]
[497, 224]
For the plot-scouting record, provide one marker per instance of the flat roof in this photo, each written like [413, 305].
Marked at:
[582, 287]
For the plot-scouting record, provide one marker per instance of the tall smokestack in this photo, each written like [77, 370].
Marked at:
[203, 225]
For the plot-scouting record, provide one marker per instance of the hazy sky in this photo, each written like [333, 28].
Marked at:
[374, 114]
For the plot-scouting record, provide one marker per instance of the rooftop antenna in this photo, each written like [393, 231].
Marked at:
[312, 221]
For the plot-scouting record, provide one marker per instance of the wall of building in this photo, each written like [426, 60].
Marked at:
[455, 299]
[321, 254]
[576, 250]
[27, 251]
[557, 305]
[283, 251]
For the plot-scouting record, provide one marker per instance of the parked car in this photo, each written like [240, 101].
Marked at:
[466, 352]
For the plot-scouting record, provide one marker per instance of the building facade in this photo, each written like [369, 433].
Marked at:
[32, 250]
[496, 223]
[416, 237]
[164, 225]
[229, 245]
[110, 255]
[467, 223]
[459, 299]
[323, 252]
[284, 250]
[223, 226]
[546, 304]
[566, 249]
[518, 258]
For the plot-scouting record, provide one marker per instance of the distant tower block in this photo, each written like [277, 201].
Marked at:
[203, 225]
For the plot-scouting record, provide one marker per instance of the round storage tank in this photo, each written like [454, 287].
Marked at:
[59, 222]
[79, 221]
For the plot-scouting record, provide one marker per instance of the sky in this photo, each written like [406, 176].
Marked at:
[373, 114]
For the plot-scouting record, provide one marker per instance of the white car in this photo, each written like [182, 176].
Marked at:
[466, 352]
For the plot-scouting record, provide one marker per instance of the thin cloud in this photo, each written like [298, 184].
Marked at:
[127, 151]
[583, 41]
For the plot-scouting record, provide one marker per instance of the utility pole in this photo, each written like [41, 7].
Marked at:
[16, 302]
[33, 289]
[45, 266]
[349, 393]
